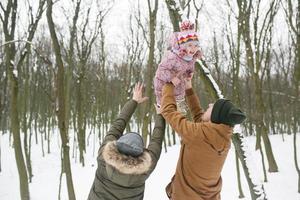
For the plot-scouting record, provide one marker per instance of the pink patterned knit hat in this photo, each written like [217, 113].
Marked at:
[187, 33]
[178, 41]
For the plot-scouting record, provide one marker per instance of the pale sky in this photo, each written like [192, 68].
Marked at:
[213, 17]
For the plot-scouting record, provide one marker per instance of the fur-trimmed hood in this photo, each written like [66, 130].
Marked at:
[126, 164]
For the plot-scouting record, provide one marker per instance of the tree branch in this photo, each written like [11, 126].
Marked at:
[289, 14]
[138, 19]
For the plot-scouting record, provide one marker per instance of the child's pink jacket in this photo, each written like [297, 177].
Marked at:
[172, 65]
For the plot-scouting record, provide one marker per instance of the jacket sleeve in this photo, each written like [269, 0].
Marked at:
[157, 138]
[119, 125]
[186, 129]
[194, 105]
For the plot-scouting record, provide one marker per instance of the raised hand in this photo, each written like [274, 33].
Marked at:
[138, 93]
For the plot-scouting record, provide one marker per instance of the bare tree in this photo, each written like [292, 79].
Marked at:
[9, 21]
[3, 87]
[34, 20]
[150, 40]
[198, 8]
[3, 93]
[84, 45]
[235, 54]
[283, 60]
[174, 13]
[257, 59]
[292, 10]
[61, 113]
[71, 62]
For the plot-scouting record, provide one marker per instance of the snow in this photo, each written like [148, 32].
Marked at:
[215, 85]
[15, 72]
[46, 170]
[237, 129]
[252, 165]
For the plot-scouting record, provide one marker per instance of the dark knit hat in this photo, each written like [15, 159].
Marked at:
[131, 144]
[224, 112]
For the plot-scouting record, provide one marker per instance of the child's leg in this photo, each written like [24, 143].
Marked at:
[182, 105]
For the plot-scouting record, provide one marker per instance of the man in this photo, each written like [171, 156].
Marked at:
[205, 144]
[123, 163]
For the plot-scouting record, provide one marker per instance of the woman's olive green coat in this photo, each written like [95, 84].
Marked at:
[119, 176]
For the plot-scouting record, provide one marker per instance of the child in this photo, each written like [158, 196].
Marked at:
[178, 63]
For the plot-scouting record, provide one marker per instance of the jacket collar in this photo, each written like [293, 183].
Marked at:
[126, 164]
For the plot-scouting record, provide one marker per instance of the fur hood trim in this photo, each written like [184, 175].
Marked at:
[126, 164]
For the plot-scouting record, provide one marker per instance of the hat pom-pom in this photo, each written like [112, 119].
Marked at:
[186, 26]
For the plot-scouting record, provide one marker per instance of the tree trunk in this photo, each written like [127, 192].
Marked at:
[15, 128]
[263, 164]
[149, 72]
[42, 141]
[0, 155]
[61, 103]
[297, 89]
[241, 194]
[71, 60]
[174, 11]
[254, 61]
[3, 96]
[295, 154]
[25, 121]
[296, 103]
[168, 136]
[261, 129]
[237, 141]
[9, 25]
[249, 100]
[80, 118]
[48, 139]
[271, 101]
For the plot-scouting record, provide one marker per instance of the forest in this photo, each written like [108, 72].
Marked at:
[71, 65]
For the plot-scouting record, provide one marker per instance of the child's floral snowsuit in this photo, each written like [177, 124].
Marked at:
[176, 64]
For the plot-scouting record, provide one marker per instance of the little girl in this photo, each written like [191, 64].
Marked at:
[178, 63]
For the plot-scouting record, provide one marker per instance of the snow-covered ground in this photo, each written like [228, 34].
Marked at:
[46, 170]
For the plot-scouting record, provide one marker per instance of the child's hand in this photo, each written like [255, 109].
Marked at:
[188, 81]
[190, 76]
[175, 81]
